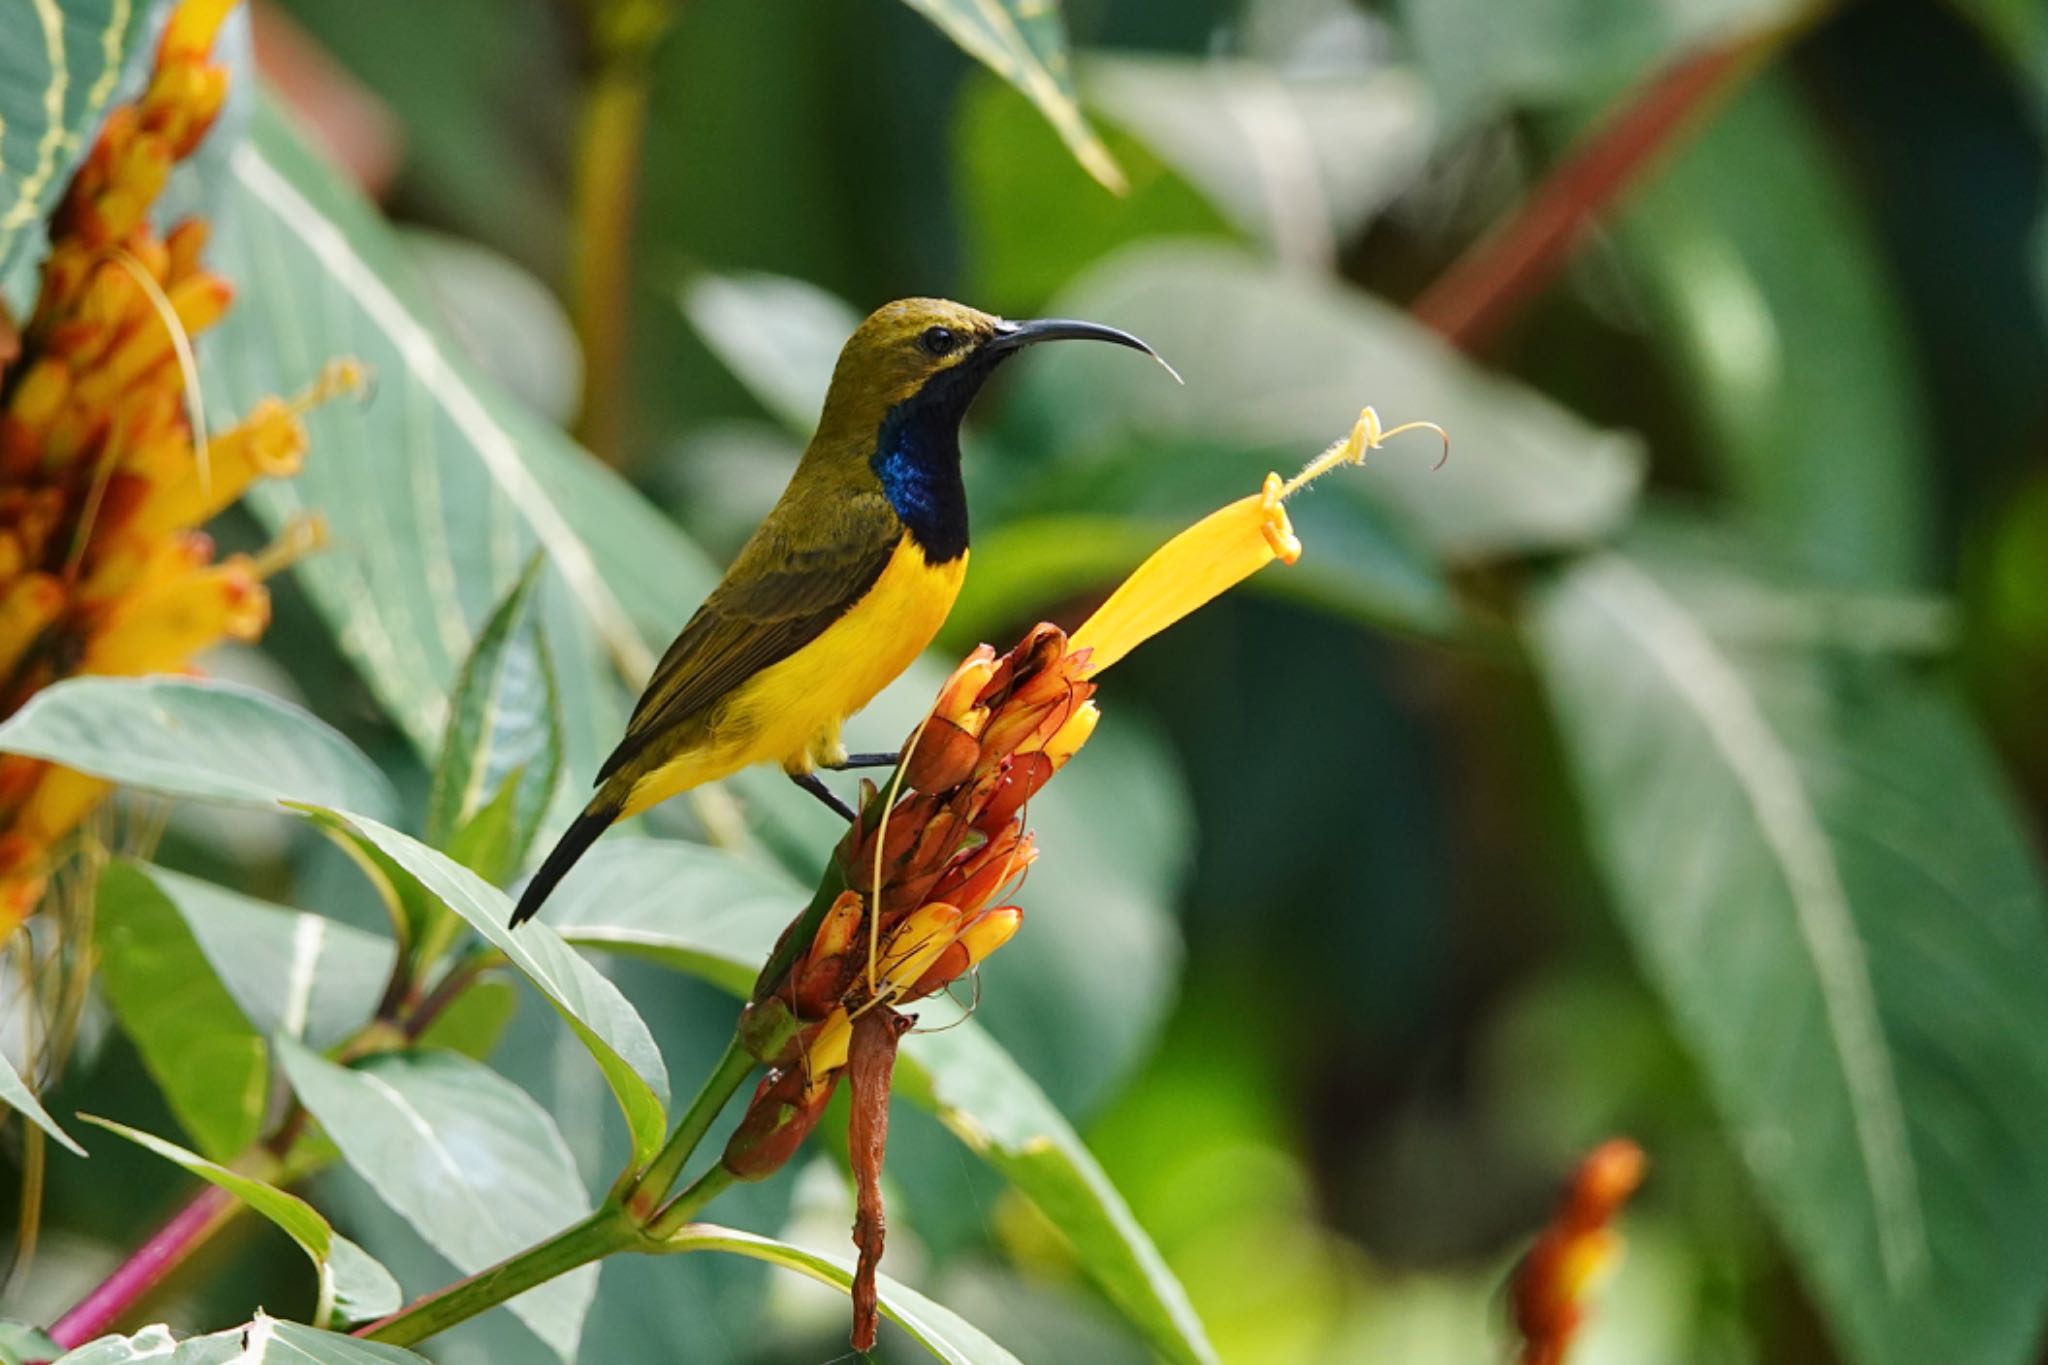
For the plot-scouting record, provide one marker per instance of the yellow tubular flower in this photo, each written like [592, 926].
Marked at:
[1218, 552]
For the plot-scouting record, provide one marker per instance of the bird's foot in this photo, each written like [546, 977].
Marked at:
[815, 785]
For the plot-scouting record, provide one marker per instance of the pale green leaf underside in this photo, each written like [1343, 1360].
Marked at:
[204, 739]
[466, 1157]
[615, 1034]
[16, 1095]
[266, 1341]
[939, 1330]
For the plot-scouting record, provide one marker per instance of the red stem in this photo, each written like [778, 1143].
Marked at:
[145, 1268]
[1499, 275]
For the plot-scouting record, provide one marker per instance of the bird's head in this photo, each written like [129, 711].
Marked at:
[933, 355]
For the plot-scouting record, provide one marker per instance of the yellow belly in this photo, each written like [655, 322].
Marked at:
[790, 712]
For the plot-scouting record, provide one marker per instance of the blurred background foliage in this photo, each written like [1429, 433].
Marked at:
[1671, 762]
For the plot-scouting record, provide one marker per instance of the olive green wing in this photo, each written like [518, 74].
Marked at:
[787, 586]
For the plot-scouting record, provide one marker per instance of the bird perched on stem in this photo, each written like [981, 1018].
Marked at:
[843, 585]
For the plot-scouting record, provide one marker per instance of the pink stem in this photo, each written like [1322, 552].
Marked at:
[187, 1229]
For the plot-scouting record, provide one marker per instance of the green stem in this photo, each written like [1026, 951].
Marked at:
[645, 1193]
[608, 1230]
[680, 1210]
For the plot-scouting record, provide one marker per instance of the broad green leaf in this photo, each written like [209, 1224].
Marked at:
[59, 64]
[304, 975]
[1277, 367]
[203, 739]
[358, 1287]
[1482, 58]
[502, 756]
[601, 1017]
[476, 1020]
[266, 1341]
[21, 1344]
[437, 488]
[194, 1040]
[705, 913]
[16, 1095]
[1025, 42]
[937, 1329]
[1823, 875]
[467, 1157]
[779, 336]
[1789, 340]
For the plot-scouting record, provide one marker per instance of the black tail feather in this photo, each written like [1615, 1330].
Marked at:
[575, 841]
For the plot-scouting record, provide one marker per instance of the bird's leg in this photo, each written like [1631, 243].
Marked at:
[815, 785]
[852, 761]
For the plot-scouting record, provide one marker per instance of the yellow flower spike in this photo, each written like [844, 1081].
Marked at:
[1219, 551]
[828, 1049]
[60, 800]
[915, 945]
[189, 35]
[990, 932]
[1066, 741]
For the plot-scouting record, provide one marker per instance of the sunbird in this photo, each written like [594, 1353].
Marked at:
[838, 590]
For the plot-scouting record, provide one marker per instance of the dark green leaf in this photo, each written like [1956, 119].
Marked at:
[61, 63]
[438, 489]
[358, 1287]
[1025, 42]
[1782, 321]
[502, 756]
[601, 1017]
[938, 1330]
[473, 1163]
[702, 912]
[1822, 873]
[203, 739]
[194, 1040]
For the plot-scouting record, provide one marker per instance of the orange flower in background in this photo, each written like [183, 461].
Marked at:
[1575, 1252]
[915, 896]
[103, 480]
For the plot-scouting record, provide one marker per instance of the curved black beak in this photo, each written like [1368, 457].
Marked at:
[1012, 336]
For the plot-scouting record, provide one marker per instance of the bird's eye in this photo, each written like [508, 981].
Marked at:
[938, 340]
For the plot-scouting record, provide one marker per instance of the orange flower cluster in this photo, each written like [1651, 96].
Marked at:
[101, 483]
[1577, 1249]
[928, 867]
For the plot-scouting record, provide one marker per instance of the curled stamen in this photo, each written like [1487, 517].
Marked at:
[1366, 434]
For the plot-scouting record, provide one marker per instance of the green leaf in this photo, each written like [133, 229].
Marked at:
[476, 1021]
[204, 739]
[358, 1287]
[502, 757]
[20, 1344]
[62, 64]
[937, 1329]
[1025, 43]
[1823, 875]
[593, 1007]
[304, 975]
[703, 912]
[1788, 339]
[779, 336]
[467, 1157]
[194, 1040]
[16, 1095]
[438, 489]
[266, 1341]
[1277, 367]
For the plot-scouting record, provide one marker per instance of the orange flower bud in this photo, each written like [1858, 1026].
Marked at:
[1066, 741]
[958, 698]
[189, 35]
[164, 624]
[990, 931]
[945, 756]
[916, 944]
[183, 246]
[786, 1107]
[60, 800]
[950, 965]
[820, 976]
[27, 606]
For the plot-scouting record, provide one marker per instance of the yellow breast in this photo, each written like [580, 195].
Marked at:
[790, 712]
